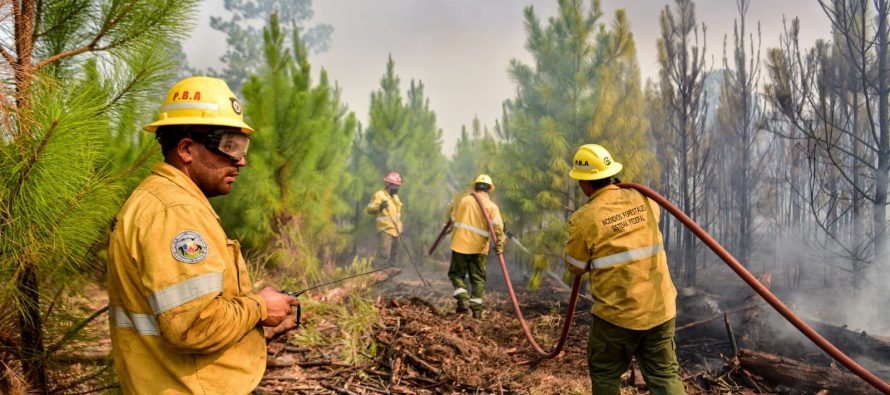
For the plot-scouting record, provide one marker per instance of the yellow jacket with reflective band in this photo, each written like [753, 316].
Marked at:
[615, 236]
[179, 327]
[449, 212]
[469, 230]
[390, 217]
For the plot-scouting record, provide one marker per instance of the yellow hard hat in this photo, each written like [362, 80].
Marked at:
[200, 101]
[593, 162]
[485, 179]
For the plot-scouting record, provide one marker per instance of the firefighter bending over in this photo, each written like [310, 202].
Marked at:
[615, 237]
[184, 319]
[469, 245]
[386, 205]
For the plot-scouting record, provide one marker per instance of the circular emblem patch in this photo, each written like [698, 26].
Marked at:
[189, 247]
[236, 105]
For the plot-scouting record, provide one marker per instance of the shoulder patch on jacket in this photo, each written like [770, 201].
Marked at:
[189, 247]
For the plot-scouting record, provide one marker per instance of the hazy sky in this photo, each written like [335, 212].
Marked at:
[461, 49]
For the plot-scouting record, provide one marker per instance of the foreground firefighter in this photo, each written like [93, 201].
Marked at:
[615, 237]
[387, 207]
[183, 316]
[469, 245]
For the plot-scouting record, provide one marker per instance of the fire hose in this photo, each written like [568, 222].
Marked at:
[570, 314]
[734, 264]
[749, 278]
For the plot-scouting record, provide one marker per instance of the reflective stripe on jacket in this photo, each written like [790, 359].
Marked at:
[183, 316]
[616, 237]
[390, 217]
[469, 233]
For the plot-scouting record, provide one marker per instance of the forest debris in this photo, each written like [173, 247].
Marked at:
[718, 316]
[414, 359]
[778, 370]
[334, 296]
[731, 336]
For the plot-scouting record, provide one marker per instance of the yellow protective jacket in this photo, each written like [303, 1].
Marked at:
[183, 317]
[389, 220]
[615, 236]
[449, 212]
[469, 233]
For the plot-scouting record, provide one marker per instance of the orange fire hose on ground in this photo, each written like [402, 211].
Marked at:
[774, 301]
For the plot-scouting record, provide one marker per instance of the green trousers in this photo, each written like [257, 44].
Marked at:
[387, 249]
[610, 348]
[474, 265]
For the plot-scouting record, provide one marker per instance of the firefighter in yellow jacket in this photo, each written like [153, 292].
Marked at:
[469, 245]
[615, 237]
[183, 316]
[386, 206]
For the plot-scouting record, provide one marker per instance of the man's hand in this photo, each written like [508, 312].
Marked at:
[278, 305]
[384, 205]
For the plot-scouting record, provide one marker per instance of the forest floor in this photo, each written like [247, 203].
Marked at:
[399, 336]
[424, 347]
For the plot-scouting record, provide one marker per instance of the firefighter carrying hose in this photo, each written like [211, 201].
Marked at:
[387, 207]
[183, 316]
[469, 245]
[615, 237]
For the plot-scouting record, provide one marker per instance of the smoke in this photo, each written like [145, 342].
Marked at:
[815, 278]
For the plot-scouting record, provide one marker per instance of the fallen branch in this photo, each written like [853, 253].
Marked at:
[795, 374]
[334, 296]
[716, 317]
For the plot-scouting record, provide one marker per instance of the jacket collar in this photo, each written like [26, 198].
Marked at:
[598, 192]
[176, 176]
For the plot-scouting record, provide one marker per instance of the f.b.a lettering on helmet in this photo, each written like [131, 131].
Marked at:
[200, 101]
[593, 162]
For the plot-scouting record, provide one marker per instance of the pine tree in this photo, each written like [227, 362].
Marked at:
[425, 167]
[402, 136]
[80, 73]
[740, 118]
[287, 199]
[681, 60]
[474, 153]
[245, 42]
[584, 87]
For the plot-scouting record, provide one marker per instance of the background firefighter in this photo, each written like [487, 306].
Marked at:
[386, 205]
[615, 237]
[469, 245]
[184, 318]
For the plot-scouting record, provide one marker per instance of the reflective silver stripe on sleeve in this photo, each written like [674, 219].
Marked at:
[186, 291]
[627, 256]
[190, 106]
[387, 219]
[459, 291]
[577, 262]
[476, 301]
[471, 228]
[145, 324]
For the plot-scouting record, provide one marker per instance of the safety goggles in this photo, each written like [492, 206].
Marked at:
[230, 143]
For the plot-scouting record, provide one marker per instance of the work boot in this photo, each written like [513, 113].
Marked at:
[461, 308]
[477, 314]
